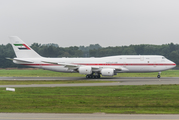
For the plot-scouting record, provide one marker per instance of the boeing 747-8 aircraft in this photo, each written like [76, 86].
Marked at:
[91, 67]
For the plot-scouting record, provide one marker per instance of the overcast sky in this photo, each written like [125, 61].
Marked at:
[84, 22]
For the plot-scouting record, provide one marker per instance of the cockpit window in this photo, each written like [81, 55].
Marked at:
[163, 57]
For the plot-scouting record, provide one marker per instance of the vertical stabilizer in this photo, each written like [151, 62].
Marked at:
[21, 49]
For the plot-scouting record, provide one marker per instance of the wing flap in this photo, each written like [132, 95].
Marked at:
[121, 69]
[50, 62]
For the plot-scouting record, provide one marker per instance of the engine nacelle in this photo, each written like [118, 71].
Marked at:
[107, 72]
[85, 70]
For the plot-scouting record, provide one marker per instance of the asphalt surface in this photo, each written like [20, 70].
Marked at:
[96, 116]
[117, 81]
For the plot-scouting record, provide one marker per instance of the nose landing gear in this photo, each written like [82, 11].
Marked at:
[158, 76]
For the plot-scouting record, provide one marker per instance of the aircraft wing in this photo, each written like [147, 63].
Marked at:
[62, 64]
[70, 66]
[76, 66]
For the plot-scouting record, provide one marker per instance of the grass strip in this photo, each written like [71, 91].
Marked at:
[46, 73]
[152, 99]
[29, 82]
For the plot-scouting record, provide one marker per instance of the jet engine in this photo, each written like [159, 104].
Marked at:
[107, 72]
[85, 70]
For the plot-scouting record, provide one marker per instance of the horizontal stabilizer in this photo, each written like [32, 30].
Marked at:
[20, 60]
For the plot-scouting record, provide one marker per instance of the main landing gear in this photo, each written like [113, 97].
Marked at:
[92, 76]
[158, 76]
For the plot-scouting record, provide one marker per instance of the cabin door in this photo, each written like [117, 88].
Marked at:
[141, 58]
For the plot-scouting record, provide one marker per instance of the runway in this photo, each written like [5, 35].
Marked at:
[117, 81]
[96, 116]
[82, 78]
[76, 78]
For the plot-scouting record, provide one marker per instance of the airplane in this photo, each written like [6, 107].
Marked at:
[91, 67]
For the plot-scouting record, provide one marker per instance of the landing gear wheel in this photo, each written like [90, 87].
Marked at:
[87, 76]
[158, 76]
[91, 76]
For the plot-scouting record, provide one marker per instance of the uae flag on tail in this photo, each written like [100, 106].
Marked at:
[22, 46]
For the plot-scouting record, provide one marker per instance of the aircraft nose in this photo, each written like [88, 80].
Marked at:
[172, 64]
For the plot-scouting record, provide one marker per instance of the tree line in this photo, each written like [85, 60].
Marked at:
[170, 51]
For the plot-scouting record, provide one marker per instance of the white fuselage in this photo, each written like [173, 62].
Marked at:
[126, 63]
